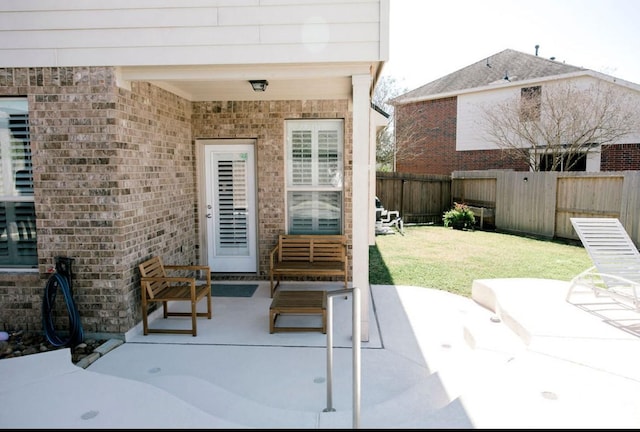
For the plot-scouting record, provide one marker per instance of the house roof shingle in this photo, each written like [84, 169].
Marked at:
[515, 65]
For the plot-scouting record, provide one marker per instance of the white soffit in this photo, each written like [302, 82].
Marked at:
[225, 82]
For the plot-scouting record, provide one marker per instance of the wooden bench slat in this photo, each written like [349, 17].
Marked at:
[308, 255]
[298, 303]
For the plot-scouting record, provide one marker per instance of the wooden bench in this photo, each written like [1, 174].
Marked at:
[156, 286]
[482, 213]
[308, 255]
[298, 303]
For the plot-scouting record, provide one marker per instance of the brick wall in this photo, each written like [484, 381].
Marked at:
[488, 160]
[426, 137]
[265, 121]
[156, 194]
[115, 182]
[426, 142]
[620, 157]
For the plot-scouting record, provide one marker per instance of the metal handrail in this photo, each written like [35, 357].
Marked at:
[355, 343]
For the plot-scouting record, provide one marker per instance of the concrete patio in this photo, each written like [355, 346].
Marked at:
[516, 355]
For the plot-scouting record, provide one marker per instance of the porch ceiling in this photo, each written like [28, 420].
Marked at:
[231, 82]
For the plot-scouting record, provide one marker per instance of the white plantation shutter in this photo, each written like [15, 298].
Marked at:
[302, 222]
[328, 156]
[315, 212]
[17, 212]
[314, 176]
[301, 158]
[232, 207]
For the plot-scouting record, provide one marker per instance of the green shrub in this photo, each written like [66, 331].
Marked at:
[459, 217]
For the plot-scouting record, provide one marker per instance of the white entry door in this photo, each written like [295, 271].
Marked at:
[230, 206]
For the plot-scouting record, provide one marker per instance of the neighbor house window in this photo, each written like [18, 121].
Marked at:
[565, 162]
[530, 103]
[314, 176]
[17, 213]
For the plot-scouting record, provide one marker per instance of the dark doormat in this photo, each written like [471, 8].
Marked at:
[233, 290]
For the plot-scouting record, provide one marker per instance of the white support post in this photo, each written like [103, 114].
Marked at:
[360, 193]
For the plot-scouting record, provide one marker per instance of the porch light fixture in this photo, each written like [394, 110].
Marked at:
[259, 85]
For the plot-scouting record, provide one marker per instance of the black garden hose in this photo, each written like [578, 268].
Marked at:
[76, 334]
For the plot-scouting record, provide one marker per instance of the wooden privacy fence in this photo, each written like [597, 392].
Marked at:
[419, 198]
[528, 203]
[542, 203]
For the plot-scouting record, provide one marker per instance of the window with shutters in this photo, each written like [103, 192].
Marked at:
[314, 176]
[17, 212]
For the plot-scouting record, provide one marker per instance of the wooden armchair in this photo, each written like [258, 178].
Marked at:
[157, 286]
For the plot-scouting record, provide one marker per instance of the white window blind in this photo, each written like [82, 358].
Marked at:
[301, 158]
[17, 212]
[314, 176]
[232, 206]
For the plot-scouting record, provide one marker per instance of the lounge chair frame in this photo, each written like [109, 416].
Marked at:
[616, 269]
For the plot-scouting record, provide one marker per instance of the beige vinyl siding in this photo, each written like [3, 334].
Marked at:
[137, 32]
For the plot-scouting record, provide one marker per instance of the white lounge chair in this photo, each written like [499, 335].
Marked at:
[616, 269]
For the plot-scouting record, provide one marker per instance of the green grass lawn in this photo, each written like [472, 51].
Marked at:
[448, 259]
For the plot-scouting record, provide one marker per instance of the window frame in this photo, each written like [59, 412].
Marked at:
[321, 141]
[18, 238]
[546, 160]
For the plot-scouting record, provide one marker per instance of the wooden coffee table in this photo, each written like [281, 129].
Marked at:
[298, 303]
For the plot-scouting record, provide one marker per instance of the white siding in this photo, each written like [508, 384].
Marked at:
[197, 32]
[470, 126]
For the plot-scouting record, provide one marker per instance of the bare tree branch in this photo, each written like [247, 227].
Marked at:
[562, 122]
[386, 89]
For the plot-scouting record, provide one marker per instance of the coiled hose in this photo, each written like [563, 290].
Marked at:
[76, 334]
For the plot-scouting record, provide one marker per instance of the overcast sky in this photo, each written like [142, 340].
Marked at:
[430, 39]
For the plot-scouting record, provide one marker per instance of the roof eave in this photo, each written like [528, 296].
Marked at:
[507, 84]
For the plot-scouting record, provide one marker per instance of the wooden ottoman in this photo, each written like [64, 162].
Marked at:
[298, 303]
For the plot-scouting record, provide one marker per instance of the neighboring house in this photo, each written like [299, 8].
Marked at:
[439, 126]
[131, 128]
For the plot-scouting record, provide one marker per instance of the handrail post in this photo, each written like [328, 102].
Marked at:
[355, 340]
[329, 407]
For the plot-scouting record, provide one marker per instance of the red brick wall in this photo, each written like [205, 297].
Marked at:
[426, 142]
[426, 137]
[620, 157]
[488, 160]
